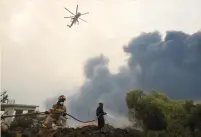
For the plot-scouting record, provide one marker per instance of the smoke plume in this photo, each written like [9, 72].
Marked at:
[171, 65]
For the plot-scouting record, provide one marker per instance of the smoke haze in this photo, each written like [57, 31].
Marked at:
[42, 58]
[171, 65]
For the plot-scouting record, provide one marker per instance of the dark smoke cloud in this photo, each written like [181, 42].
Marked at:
[172, 65]
[100, 85]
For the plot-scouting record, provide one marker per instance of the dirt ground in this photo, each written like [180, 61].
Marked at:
[87, 131]
[92, 131]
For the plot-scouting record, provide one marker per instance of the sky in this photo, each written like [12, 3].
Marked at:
[42, 58]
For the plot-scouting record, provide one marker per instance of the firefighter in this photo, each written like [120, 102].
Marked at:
[53, 115]
[100, 114]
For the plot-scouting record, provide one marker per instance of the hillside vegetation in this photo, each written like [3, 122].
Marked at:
[158, 115]
[154, 113]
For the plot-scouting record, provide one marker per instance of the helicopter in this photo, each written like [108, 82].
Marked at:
[76, 17]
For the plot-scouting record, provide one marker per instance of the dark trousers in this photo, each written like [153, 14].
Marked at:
[101, 122]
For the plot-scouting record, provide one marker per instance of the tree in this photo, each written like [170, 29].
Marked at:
[194, 119]
[147, 109]
[157, 114]
[27, 122]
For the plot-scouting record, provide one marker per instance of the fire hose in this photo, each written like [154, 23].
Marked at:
[29, 114]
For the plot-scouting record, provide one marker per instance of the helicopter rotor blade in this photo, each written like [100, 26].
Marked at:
[69, 11]
[76, 9]
[82, 20]
[69, 17]
[85, 13]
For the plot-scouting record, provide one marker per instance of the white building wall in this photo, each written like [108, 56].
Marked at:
[9, 111]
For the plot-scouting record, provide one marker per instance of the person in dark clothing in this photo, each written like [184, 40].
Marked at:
[100, 114]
